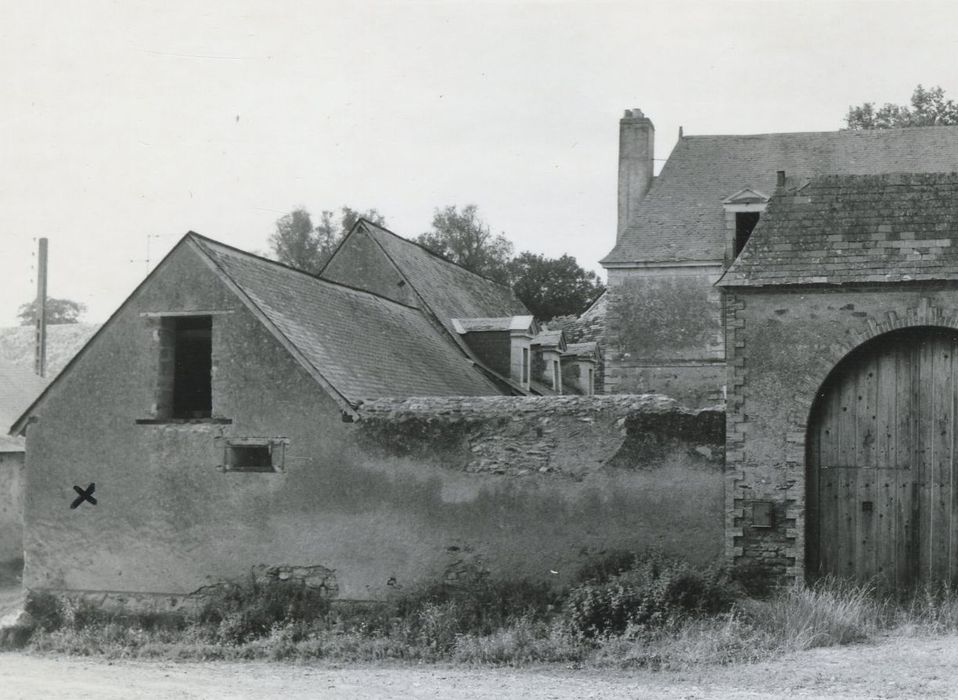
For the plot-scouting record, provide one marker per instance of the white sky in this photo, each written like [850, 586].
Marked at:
[122, 120]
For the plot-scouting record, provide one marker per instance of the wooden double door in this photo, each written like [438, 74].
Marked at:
[881, 492]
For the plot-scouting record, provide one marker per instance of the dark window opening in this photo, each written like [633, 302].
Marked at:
[192, 366]
[744, 225]
[525, 365]
[250, 458]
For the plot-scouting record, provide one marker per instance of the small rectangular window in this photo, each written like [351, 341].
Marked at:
[254, 455]
[525, 365]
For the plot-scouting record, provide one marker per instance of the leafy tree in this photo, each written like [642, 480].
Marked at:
[57, 311]
[551, 287]
[297, 243]
[464, 238]
[928, 108]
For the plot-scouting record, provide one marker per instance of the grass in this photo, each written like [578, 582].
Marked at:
[634, 611]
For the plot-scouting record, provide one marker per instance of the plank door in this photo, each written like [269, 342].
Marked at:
[881, 463]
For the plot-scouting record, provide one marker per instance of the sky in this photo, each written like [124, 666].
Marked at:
[125, 124]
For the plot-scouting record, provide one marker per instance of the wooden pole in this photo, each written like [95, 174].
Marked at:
[40, 356]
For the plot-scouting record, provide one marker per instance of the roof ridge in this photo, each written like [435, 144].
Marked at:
[869, 132]
[205, 239]
[435, 254]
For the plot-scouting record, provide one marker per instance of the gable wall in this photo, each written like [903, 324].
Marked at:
[360, 262]
[782, 345]
[664, 334]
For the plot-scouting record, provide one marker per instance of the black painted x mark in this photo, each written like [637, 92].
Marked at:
[85, 495]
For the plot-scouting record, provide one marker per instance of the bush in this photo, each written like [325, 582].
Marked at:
[656, 591]
[249, 610]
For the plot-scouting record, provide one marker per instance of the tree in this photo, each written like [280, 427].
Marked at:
[464, 238]
[297, 243]
[551, 287]
[57, 311]
[928, 108]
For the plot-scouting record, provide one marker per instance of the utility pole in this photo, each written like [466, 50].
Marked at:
[40, 355]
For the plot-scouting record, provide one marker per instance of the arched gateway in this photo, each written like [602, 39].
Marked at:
[881, 497]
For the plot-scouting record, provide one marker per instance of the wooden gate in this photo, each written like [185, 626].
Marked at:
[881, 496]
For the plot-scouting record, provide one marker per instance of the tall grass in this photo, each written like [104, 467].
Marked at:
[638, 610]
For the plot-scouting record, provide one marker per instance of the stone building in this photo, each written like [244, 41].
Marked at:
[679, 231]
[237, 413]
[842, 330]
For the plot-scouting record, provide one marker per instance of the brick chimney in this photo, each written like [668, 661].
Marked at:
[636, 149]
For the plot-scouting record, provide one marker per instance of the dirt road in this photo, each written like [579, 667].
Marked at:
[895, 668]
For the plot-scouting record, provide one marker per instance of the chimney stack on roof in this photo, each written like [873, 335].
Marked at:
[636, 151]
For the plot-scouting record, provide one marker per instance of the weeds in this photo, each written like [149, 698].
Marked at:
[627, 610]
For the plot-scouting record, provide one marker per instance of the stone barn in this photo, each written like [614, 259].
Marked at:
[842, 336]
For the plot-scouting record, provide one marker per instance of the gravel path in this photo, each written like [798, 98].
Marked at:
[893, 668]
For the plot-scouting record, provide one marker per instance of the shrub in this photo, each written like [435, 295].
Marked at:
[657, 590]
[249, 610]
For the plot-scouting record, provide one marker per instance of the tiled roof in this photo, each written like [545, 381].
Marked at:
[588, 349]
[841, 229]
[549, 338]
[682, 218]
[364, 345]
[19, 386]
[449, 290]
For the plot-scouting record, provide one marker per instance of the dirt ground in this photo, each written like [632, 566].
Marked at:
[894, 668]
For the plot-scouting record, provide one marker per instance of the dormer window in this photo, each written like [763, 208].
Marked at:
[744, 223]
[742, 213]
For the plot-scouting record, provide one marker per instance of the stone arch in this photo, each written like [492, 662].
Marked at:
[925, 314]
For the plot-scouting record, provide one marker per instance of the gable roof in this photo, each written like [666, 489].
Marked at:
[681, 219]
[18, 388]
[364, 345]
[448, 290]
[842, 229]
[356, 344]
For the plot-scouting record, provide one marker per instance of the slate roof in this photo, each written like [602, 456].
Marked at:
[364, 345]
[587, 349]
[449, 290]
[842, 229]
[682, 218]
[64, 340]
[19, 386]
[503, 323]
[549, 338]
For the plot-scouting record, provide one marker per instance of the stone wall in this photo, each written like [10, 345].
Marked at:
[664, 334]
[782, 345]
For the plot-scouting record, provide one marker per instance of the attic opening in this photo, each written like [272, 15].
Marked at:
[745, 222]
[186, 364]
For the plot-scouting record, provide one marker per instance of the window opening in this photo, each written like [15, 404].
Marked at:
[555, 376]
[250, 458]
[745, 222]
[192, 340]
[525, 365]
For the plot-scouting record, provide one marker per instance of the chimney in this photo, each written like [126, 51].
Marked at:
[636, 149]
